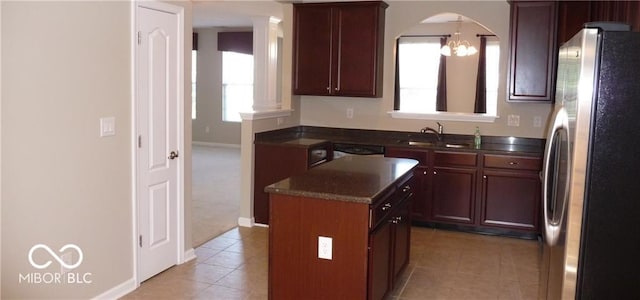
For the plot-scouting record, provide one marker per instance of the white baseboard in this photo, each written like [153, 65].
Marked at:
[246, 222]
[209, 144]
[250, 222]
[189, 255]
[119, 291]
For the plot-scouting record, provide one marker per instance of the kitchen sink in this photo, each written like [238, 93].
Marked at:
[457, 145]
[423, 144]
[436, 144]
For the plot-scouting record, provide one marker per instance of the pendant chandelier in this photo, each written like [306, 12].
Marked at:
[456, 46]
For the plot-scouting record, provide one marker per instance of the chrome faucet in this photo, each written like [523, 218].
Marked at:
[438, 132]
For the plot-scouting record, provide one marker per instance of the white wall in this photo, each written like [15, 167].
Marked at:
[208, 126]
[66, 65]
[372, 113]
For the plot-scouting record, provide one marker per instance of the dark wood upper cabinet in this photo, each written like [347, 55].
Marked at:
[338, 48]
[533, 51]
[571, 17]
[573, 14]
[538, 28]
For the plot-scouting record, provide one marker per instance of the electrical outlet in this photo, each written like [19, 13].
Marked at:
[325, 247]
[513, 120]
[349, 113]
[537, 121]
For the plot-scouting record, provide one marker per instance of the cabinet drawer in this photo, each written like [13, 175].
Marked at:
[391, 200]
[382, 208]
[455, 159]
[405, 190]
[512, 162]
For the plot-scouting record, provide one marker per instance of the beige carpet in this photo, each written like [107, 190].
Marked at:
[216, 191]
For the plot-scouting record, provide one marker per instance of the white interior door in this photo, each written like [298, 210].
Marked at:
[157, 152]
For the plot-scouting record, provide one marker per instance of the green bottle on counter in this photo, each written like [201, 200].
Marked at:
[477, 140]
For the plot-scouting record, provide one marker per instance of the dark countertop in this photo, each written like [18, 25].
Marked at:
[490, 144]
[360, 179]
[303, 142]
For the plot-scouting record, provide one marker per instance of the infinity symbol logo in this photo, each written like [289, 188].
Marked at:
[55, 256]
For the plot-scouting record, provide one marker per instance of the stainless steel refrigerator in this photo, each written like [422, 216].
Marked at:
[591, 174]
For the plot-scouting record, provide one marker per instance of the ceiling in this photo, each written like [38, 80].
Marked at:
[240, 13]
[446, 18]
[232, 13]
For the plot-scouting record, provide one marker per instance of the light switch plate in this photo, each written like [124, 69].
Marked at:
[107, 126]
[325, 247]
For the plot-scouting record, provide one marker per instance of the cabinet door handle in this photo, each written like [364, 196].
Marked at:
[425, 172]
[513, 163]
[435, 173]
[386, 206]
[406, 188]
[485, 176]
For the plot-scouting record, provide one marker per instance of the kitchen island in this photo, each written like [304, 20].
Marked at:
[340, 230]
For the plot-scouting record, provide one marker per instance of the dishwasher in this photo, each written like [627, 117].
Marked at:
[346, 149]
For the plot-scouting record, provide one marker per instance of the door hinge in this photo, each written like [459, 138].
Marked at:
[140, 241]
[139, 37]
[139, 141]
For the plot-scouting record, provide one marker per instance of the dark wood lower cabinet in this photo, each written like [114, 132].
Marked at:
[510, 199]
[420, 209]
[295, 271]
[497, 193]
[274, 162]
[453, 187]
[371, 245]
[379, 266]
[453, 195]
[511, 192]
[401, 235]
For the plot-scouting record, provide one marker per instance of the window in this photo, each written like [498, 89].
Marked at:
[237, 85]
[418, 60]
[418, 64]
[194, 65]
[493, 60]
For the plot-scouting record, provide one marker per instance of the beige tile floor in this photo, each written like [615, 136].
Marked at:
[444, 265]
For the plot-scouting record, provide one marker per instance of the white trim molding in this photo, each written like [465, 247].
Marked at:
[444, 116]
[220, 145]
[265, 60]
[267, 114]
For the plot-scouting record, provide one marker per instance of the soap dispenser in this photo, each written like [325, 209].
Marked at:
[477, 140]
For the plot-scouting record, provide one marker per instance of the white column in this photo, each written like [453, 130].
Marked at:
[265, 68]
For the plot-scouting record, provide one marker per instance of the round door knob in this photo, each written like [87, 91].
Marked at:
[173, 154]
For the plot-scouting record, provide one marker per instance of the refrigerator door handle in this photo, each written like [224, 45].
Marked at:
[552, 224]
